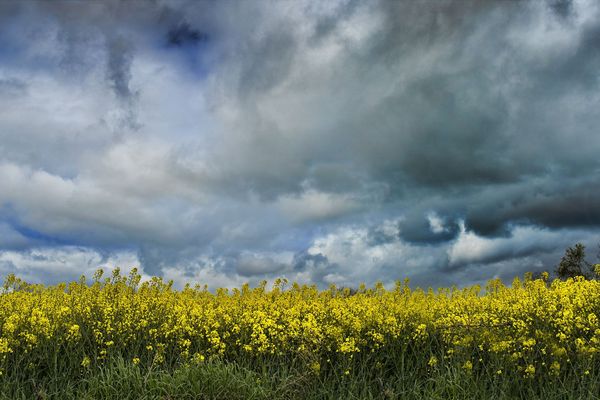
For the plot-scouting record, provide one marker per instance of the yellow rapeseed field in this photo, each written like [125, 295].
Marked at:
[535, 327]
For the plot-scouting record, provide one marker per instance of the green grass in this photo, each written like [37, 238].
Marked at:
[119, 380]
[272, 379]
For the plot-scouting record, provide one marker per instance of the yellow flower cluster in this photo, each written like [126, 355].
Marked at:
[534, 325]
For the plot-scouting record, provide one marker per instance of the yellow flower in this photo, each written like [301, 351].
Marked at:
[73, 332]
[316, 367]
[555, 368]
[432, 361]
[198, 358]
[468, 365]
[529, 370]
[533, 324]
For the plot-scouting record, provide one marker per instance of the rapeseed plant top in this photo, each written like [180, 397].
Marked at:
[535, 325]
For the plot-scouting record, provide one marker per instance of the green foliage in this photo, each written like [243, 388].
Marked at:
[574, 264]
[124, 380]
[403, 374]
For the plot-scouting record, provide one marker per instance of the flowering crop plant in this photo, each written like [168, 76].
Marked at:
[532, 329]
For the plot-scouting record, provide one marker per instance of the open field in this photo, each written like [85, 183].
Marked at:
[120, 338]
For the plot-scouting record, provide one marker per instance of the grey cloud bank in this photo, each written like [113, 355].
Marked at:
[327, 142]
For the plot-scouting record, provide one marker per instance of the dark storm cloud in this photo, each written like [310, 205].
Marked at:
[272, 59]
[120, 55]
[562, 7]
[183, 34]
[118, 71]
[570, 202]
[425, 132]
[416, 228]
[315, 267]
[303, 261]
[470, 136]
[252, 265]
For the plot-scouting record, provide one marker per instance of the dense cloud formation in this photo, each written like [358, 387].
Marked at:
[326, 142]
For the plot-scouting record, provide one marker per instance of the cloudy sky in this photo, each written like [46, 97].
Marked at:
[224, 142]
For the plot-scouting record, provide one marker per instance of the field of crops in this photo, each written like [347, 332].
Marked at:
[532, 338]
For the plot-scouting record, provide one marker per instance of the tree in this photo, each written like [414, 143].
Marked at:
[573, 263]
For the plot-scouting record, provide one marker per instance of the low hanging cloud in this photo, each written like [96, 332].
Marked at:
[54, 265]
[333, 142]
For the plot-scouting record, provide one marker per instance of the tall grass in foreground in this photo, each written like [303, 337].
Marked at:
[120, 338]
[218, 379]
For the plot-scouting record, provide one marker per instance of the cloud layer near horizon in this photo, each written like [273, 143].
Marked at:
[328, 142]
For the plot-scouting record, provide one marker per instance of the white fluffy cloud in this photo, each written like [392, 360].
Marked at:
[523, 241]
[43, 264]
[313, 205]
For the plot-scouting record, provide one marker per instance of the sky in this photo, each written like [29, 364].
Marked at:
[338, 142]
